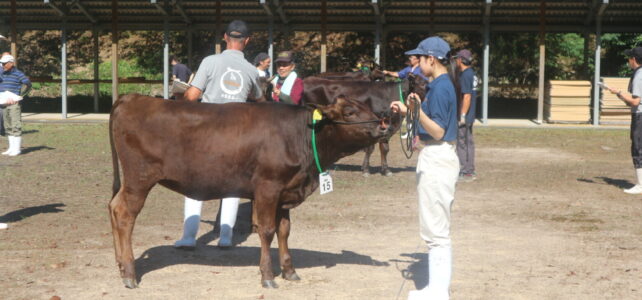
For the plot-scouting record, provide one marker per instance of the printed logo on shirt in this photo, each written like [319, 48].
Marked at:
[231, 83]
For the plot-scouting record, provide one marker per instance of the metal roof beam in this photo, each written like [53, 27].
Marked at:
[266, 6]
[55, 7]
[181, 11]
[84, 11]
[160, 7]
[279, 10]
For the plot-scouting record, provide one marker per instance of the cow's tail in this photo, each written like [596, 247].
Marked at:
[114, 157]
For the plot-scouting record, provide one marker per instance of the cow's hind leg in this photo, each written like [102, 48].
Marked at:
[384, 148]
[123, 210]
[283, 221]
[365, 167]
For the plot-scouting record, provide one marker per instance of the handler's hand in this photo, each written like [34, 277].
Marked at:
[276, 91]
[11, 102]
[413, 100]
[398, 107]
[613, 91]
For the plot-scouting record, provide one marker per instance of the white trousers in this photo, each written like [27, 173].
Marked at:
[437, 172]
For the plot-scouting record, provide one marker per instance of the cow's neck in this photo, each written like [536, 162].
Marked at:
[332, 145]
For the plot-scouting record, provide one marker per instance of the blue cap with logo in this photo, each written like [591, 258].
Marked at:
[432, 46]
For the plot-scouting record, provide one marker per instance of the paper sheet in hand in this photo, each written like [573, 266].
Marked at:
[179, 87]
[602, 85]
[6, 96]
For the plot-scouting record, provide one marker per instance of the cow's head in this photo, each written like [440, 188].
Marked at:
[353, 120]
[417, 84]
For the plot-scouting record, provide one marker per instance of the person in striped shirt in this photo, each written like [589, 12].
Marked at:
[12, 80]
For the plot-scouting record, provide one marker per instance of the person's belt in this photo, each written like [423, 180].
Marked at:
[437, 143]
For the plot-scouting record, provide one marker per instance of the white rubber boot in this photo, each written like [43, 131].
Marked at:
[10, 141]
[439, 274]
[636, 189]
[15, 146]
[192, 219]
[229, 209]
[3, 225]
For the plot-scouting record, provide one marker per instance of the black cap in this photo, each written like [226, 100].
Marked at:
[635, 52]
[237, 29]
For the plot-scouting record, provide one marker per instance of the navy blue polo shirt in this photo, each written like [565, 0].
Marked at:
[182, 72]
[407, 70]
[13, 80]
[440, 105]
[467, 83]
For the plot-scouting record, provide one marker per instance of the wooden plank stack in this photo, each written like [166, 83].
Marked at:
[568, 101]
[612, 109]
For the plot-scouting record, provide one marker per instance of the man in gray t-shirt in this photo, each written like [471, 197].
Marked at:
[632, 99]
[221, 78]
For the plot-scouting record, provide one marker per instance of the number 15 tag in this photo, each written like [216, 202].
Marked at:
[325, 183]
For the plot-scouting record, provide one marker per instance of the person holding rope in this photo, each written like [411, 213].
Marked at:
[288, 86]
[632, 99]
[437, 165]
[221, 78]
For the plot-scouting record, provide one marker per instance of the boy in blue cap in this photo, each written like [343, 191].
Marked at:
[437, 165]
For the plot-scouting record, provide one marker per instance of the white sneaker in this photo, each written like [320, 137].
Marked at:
[185, 243]
[426, 294]
[3, 225]
[7, 152]
[636, 189]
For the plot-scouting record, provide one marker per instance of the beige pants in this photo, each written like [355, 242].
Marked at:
[437, 172]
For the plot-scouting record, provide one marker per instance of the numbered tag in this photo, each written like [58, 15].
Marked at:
[325, 183]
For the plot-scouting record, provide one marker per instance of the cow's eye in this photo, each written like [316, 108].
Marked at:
[348, 112]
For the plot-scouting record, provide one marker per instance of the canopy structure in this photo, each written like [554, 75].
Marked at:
[377, 16]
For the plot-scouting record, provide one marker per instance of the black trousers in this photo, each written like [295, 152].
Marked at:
[636, 140]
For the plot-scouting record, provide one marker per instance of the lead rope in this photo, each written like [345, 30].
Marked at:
[316, 114]
[412, 121]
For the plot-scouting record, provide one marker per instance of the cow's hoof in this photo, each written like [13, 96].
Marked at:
[130, 283]
[269, 284]
[291, 277]
[366, 174]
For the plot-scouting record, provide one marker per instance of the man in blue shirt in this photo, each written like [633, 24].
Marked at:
[467, 108]
[12, 80]
[437, 165]
[413, 67]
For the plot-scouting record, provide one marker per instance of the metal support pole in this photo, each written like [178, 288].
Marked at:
[324, 49]
[218, 27]
[271, 43]
[114, 50]
[14, 34]
[377, 50]
[486, 63]
[596, 75]
[63, 59]
[165, 58]
[585, 62]
[96, 68]
[542, 64]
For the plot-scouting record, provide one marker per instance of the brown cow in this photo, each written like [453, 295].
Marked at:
[377, 94]
[195, 150]
[375, 75]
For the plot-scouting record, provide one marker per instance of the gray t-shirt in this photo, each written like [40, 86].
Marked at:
[227, 77]
[635, 88]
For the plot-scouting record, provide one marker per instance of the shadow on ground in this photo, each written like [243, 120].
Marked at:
[373, 170]
[163, 256]
[416, 271]
[619, 183]
[24, 213]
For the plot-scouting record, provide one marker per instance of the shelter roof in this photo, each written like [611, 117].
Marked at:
[359, 15]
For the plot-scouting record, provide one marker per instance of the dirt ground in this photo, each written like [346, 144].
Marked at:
[546, 219]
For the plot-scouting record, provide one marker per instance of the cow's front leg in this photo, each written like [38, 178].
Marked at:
[283, 221]
[365, 167]
[266, 217]
[384, 148]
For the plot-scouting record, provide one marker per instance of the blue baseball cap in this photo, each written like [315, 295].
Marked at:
[433, 46]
